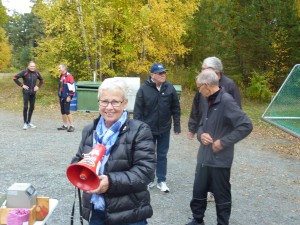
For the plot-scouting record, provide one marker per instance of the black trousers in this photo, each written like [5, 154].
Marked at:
[27, 114]
[216, 180]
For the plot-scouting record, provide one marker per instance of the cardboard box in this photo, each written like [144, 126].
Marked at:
[42, 208]
[37, 213]
[4, 212]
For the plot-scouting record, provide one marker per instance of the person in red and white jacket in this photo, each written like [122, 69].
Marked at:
[29, 88]
[66, 91]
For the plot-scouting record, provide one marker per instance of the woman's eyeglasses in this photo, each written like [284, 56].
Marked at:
[114, 103]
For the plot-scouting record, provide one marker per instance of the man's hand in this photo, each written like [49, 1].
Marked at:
[206, 139]
[68, 99]
[217, 146]
[25, 87]
[190, 135]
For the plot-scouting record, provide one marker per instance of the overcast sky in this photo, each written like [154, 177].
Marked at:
[21, 6]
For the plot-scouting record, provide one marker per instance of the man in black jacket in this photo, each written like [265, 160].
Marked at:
[29, 87]
[222, 125]
[196, 112]
[156, 103]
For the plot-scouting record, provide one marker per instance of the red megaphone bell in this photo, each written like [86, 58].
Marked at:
[84, 173]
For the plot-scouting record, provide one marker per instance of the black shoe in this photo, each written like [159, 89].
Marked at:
[63, 127]
[71, 129]
[194, 222]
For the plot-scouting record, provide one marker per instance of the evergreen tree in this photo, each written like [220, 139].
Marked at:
[267, 38]
[256, 35]
[24, 31]
[212, 33]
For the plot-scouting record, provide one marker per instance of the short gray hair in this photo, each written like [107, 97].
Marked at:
[215, 63]
[64, 66]
[209, 77]
[114, 84]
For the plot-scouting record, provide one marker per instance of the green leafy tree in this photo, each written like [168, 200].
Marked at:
[267, 37]
[212, 33]
[260, 35]
[25, 55]
[259, 88]
[278, 65]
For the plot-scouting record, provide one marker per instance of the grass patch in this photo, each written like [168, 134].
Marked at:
[12, 98]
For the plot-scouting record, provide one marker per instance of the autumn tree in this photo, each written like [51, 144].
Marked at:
[113, 37]
[5, 48]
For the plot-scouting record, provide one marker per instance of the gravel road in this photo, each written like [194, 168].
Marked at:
[265, 185]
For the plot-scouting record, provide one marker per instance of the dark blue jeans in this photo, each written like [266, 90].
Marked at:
[162, 142]
[99, 216]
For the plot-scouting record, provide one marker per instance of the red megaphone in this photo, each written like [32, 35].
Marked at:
[84, 173]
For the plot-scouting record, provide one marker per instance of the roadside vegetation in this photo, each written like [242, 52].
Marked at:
[11, 100]
[258, 43]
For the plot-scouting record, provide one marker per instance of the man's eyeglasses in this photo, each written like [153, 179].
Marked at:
[207, 68]
[114, 103]
[200, 85]
[161, 73]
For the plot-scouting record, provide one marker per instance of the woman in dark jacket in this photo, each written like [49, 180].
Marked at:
[128, 165]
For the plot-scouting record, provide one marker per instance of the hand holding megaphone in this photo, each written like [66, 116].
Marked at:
[84, 174]
[103, 186]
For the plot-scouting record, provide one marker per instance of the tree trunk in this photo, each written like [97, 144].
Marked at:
[83, 33]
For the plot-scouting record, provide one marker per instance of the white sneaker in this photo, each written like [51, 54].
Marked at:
[151, 185]
[210, 197]
[163, 187]
[31, 125]
[25, 127]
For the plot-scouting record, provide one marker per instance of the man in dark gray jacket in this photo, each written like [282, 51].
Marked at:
[225, 82]
[196, 112]
[222, 125]
[156, 103]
